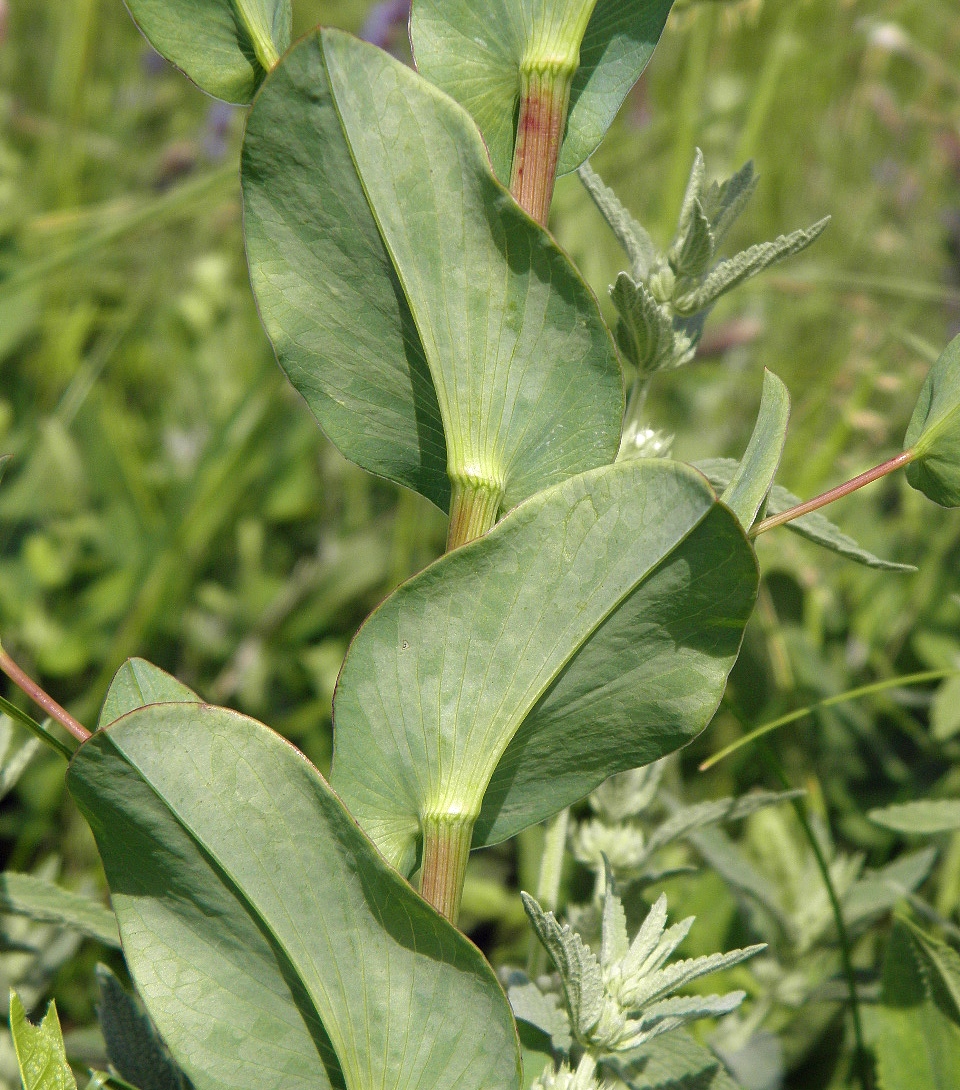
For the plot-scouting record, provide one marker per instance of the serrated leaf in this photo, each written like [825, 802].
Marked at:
[691, 196]
[632, 236]
[644, 331]
[431, 325]
[614, 599]
[944, 965]
[224, 46]
[754, 476]
[138, 683]
[728, 274]
[692, 253]
[135, 1051]
[881, 890]
[269, 941]
[934, 431]
[814, 527]
[474, 52]
[674, 1061]
[539, 1009]
[44, 902]
[40, 1053]
[724, 201]
[921, 818]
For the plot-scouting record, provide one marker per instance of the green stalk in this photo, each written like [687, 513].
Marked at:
[474, 506]
[41, 699]
[446, 850]
[862, 1057]
[35, 728]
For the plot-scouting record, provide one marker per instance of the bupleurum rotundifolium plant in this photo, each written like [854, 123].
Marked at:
[583, 621]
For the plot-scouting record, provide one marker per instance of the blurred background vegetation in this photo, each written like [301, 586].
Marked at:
[171, 497]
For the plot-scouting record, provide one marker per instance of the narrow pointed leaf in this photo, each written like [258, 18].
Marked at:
[674, 1061]
[944, 965]
[724, 201]
[754, 477]
[692, 254]
[224, 46]
[45, 902]
[814, 527]
[40, 1052]
[138, 683]
[632, 236]
[17, 750]
[922, 818]
[590, 632]
[934, 431]
[431, 325]
[475, 51]
[268, 940]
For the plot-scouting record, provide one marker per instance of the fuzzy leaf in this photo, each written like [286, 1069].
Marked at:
[135, 1051]
[692, 253]
[44, 902]
[814, 527]
[644, 331]
[754, 476]
[136, 684]
[614, 599]
[224, 46]
[934, 431]
[724, 201]
[40, 1053]
[474, 52]
[728, 274]
[627, 794]
[631, 235]
[430, 324]
[922, 818]
[539, 1009]
[674, 1061]
[877, 892]
[269, 941]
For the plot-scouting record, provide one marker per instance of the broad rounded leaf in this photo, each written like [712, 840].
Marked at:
[270, 942]
[138, 683]
[431, 325]
[924, 817]
[591, 631]
[224, 46]
[934, 431]
[475, 51]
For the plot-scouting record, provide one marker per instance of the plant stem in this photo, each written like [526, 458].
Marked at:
[474, 506]
[834, 493]
[586, 1070]
[259, 34]
[40, 698]
[862, 1058]
[544, 98]
[446, 849]
[35, 728]
[840, 698]
[548, 883]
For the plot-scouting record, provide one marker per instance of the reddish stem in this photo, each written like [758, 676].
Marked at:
[543, 116]
[835, 493]
[40, 698]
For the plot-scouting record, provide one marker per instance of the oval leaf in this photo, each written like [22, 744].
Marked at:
[430, 324]
[138, 683]
[224, 46]
[474, 52]
[934, 431]
[269, 941]
[920, 818]
[590, 632]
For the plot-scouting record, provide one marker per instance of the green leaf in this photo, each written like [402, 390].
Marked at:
[45, 902]
[814, 527]
[4, 462]
[40, 1052]
[138, 683]
[432, 327]
[632, 236]
[724, 201]
[944, 966]
[917, 1045]
[754, 476]
[475, 53]
[271, 944]
[877, 892]
[921, 818]
[945, 710]
[16, 752]
[645, 331]
[224, 46]
[934, 431]
[673, 1061]
[692, 253]
[539, 1009]
[590, 632]
[135, 1051]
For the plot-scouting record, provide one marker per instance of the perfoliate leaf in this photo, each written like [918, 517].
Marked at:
[476, 53]
[135, 1051]
[224, 46]
[434, 329]
[136, 684]
[44, 902]
[814, 527]
[631, 235]
[921, 818]
[934, 431]
[615, 600]
[40, 1053]
[754, 476]
[269, 941]
[728, 274]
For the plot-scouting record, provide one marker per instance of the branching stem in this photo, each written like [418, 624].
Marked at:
[40, 698]
[834, 493]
